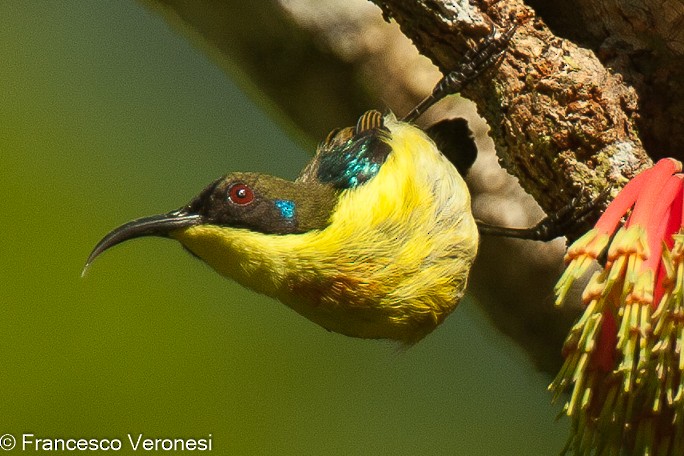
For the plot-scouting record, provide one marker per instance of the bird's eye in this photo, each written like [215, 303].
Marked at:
[241, 194]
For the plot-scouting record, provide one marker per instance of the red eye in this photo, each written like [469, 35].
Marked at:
[241, 194]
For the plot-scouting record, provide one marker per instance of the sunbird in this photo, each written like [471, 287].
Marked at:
[375, 238]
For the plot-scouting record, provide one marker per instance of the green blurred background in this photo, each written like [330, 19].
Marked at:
[106, 115]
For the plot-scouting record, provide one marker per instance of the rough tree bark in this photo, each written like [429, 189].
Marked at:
[643, 41]
[562, 123]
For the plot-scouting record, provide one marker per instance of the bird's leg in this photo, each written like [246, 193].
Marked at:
[474, 63]
[553, 226]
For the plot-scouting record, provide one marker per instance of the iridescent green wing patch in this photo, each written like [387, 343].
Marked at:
[352, 156]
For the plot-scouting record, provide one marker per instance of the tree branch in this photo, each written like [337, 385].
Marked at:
[644, 42]
[562, 123]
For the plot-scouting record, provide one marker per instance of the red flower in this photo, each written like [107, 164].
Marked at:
[624, 361]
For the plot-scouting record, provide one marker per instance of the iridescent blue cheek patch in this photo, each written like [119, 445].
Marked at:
[287, 208]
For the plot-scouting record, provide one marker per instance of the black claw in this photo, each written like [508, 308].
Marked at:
[474, 63]
[564, 222]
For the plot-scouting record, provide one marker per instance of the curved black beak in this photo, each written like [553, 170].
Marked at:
[156, 225]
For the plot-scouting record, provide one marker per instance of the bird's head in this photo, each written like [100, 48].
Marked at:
[238, 201]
